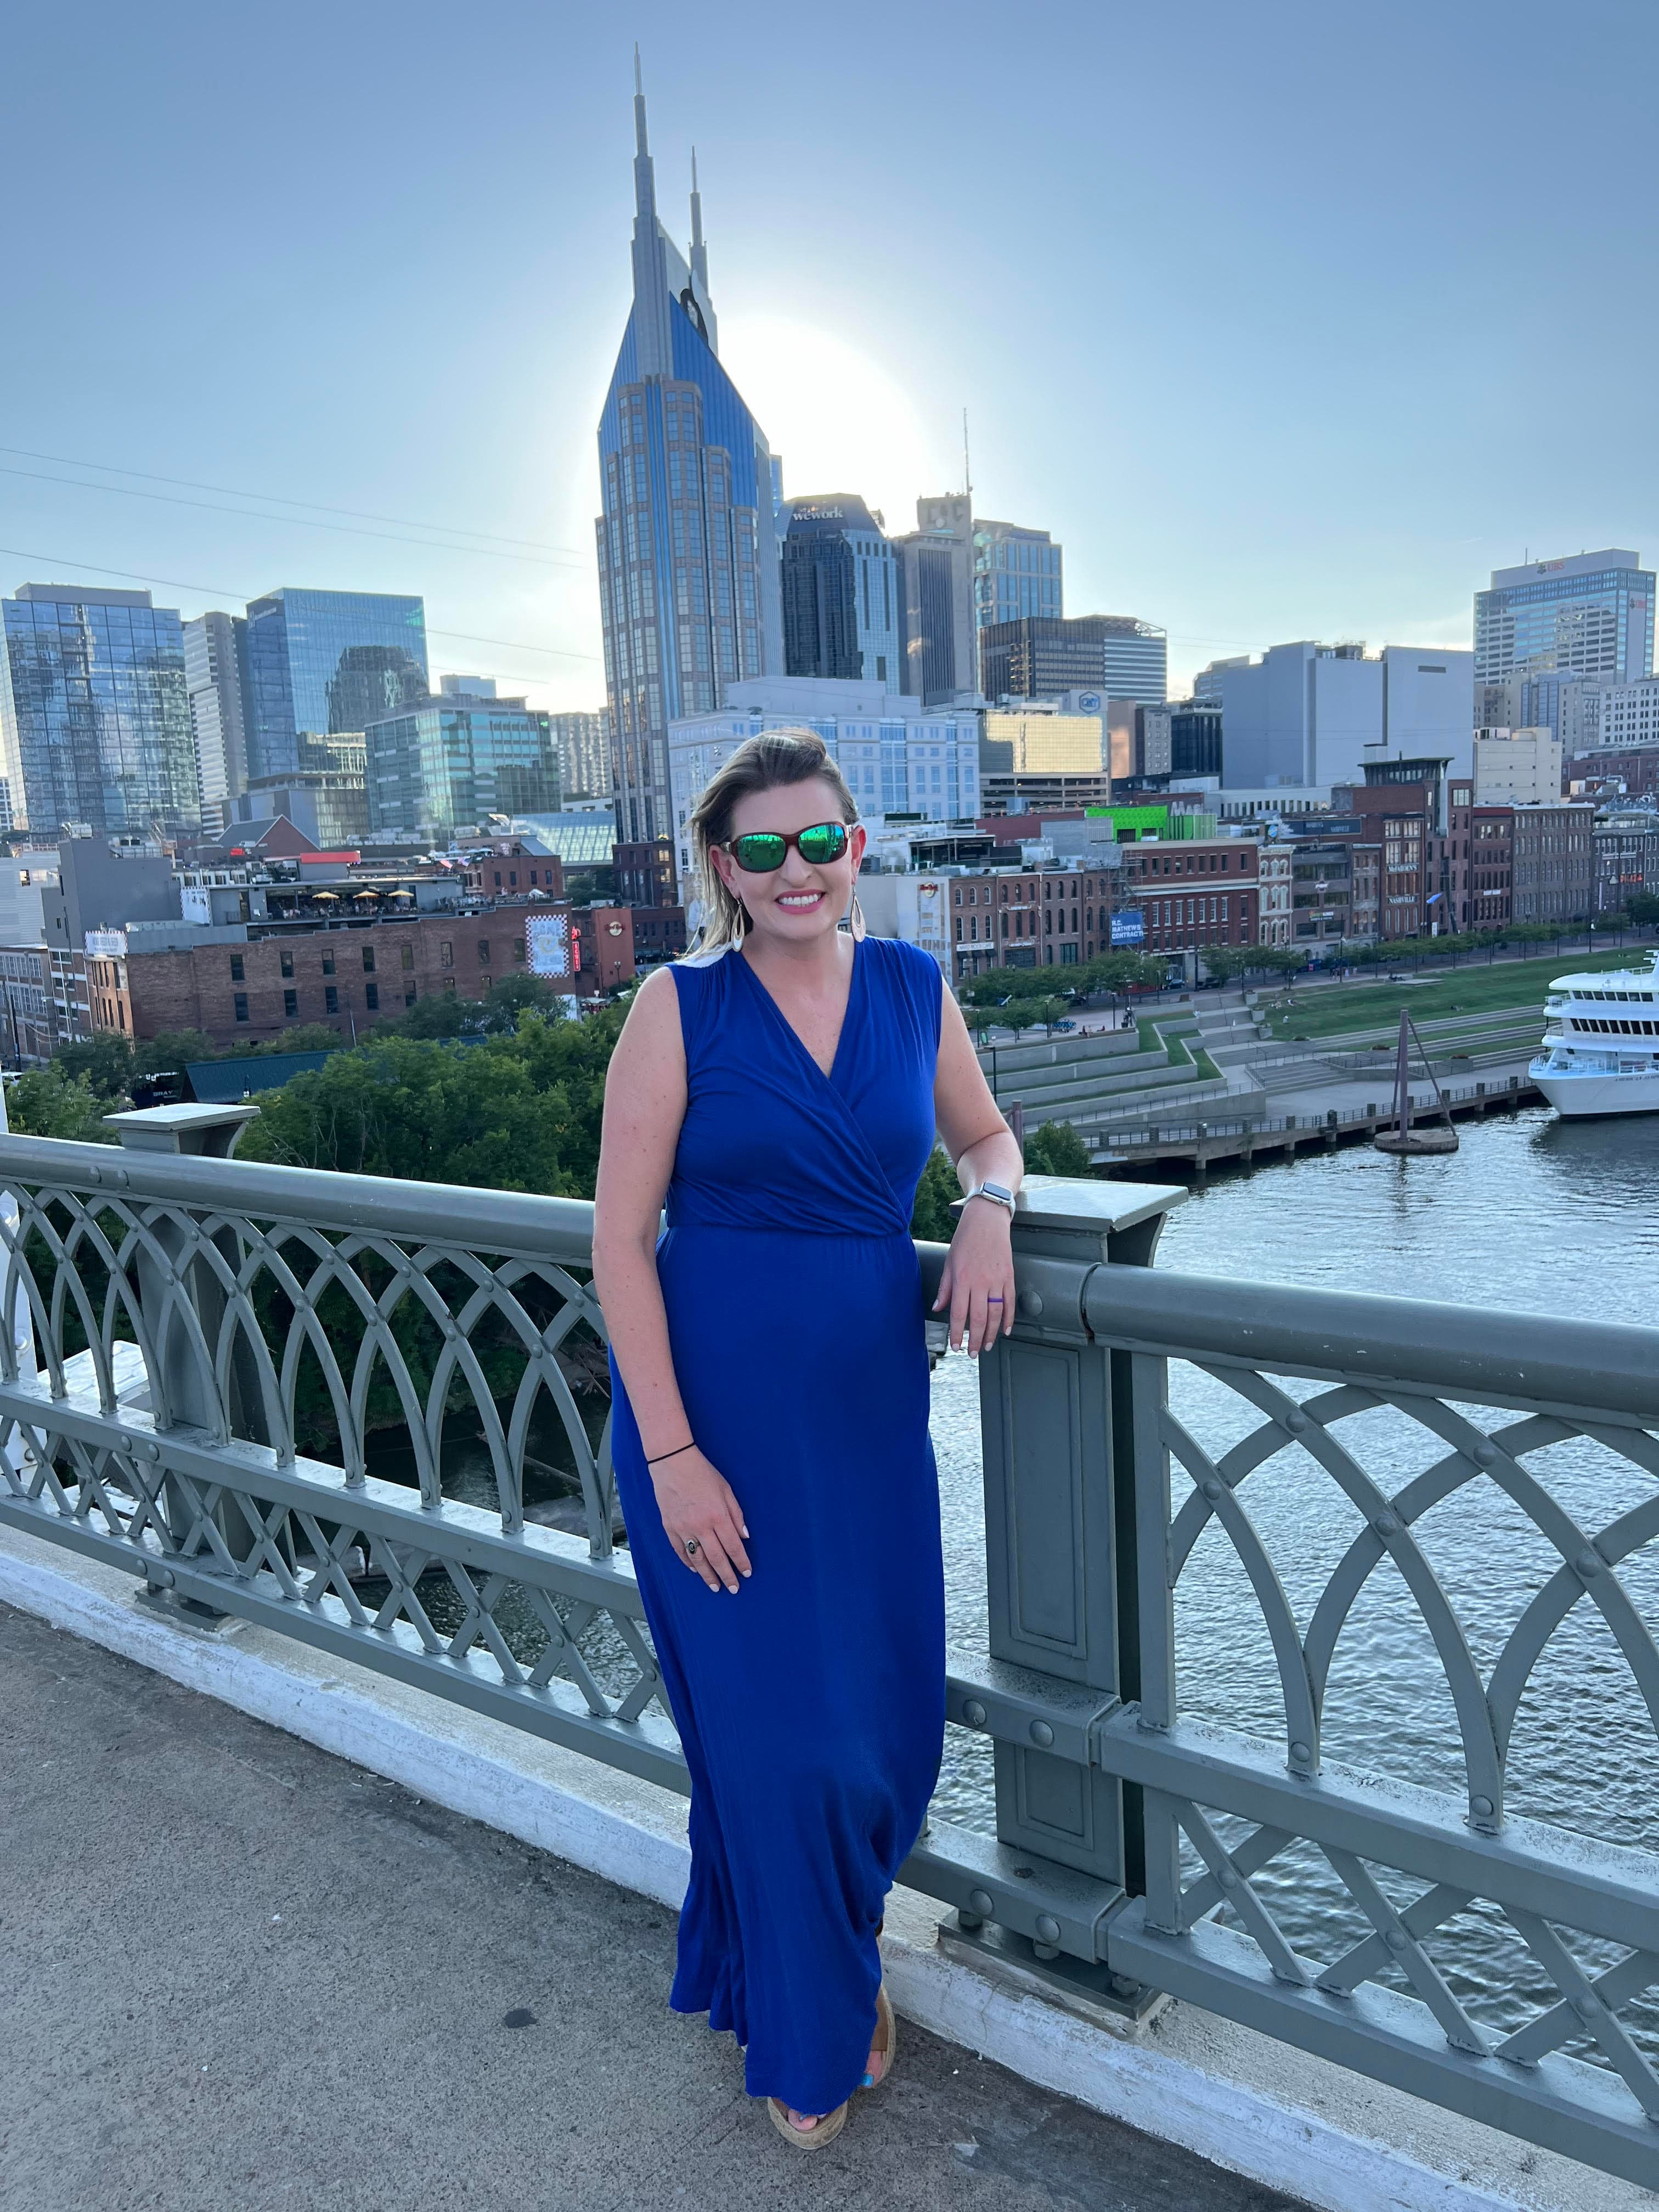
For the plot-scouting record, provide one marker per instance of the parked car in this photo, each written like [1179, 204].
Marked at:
[1065, 1023]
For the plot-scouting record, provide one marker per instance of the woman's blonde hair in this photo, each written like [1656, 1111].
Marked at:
[768, 762]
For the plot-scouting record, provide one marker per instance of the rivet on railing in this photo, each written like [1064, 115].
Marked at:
[1585, 2007]
[1385, 1524]
[1041, 1733]
[1296, 1423]
[1030, 1303]
[1212, 1489]
[1396, 1939]
[1484, 1455]
[1301, 1754]
[1048, 1928]
[1228, 1878]
[974, 1713]
[981, 1901]
[1482, 1808]
[1588, 1563]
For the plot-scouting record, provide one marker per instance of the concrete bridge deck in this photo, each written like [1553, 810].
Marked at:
[240, 1973]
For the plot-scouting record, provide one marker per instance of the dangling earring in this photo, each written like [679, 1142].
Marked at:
[857, 920]
[739, 926]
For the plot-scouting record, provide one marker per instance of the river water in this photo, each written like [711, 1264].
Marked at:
[1531, 1214]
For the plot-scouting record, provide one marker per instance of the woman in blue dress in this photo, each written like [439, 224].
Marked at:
[781, 1091]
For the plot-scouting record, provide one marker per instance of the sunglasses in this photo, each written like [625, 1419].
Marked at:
[760, 851]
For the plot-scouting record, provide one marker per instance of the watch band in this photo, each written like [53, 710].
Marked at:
[996, 1193]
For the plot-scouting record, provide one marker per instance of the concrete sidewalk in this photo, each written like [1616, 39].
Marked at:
[241, 1973]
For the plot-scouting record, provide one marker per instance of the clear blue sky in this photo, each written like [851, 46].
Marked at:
[1289, 320]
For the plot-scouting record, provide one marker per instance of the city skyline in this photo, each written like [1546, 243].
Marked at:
[1243, 446]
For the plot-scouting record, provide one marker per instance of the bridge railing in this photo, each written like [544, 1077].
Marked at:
[374, 1416]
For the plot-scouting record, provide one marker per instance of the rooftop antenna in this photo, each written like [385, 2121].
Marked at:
[966, 466]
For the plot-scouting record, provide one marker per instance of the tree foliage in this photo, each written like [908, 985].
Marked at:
[931, 1217]
[44, 1102]
[1056, 1149]
[520, 1112]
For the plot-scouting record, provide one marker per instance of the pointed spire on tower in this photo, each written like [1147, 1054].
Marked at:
[653, 341]
[699, 250]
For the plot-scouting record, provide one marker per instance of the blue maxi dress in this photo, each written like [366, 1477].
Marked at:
[811, 1703]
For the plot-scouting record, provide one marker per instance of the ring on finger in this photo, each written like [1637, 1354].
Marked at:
[692, 1548]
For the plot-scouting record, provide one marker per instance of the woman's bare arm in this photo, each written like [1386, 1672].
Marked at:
[978, 1281]
[644, 1106]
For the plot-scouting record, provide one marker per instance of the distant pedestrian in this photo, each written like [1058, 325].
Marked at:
[781, 1088]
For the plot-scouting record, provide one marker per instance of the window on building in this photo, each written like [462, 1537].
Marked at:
[328, 963]
[369, 960]
[239, 1005]
[408, 996]
[331, 999]
[290, 1005]
[449, 982]
[287, 960]
[372, 997]
[483, 952]
[408, 959]
[517, 952]
[447, 954]
[236, 969]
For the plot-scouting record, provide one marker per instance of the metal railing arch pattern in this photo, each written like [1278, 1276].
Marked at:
[197, 1324]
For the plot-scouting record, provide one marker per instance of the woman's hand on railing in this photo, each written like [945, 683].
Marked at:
[702, 1518]
[978, 1282]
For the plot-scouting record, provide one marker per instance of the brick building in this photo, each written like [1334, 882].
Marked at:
[1626, 840]
[645, 872]
[255, 988]
[659, 934]
[1554, 862]
[1479, 868]
[607, 937]
[1194, 893]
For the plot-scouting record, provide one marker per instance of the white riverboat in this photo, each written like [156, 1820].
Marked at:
[1601, 1049]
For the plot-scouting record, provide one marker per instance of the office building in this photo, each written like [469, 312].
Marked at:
[1311, 714]
[216, 677]
[94, 713]
[936, 577]
[1042, 742]
[1517, 768]
[320, 662]
[1590, 616]
[898, 758]
[1197, 893]
[1017, 575]
[839, 586]
[451, 763]
[1039, 657]
[1625, 714]
[687, 550]
[1570, 706]
[583, 744]
[328, 806]
[1182, 739]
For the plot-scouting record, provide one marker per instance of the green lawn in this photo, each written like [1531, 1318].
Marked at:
[1471, 989]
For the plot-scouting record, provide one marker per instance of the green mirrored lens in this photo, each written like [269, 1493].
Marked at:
[759, 853]
[824, 841]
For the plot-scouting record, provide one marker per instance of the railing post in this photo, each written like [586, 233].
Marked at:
[1052, 1431]
[190, 1394]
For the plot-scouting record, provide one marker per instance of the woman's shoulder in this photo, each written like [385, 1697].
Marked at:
[911, 971]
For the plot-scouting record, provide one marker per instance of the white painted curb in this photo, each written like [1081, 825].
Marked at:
[637, 1840]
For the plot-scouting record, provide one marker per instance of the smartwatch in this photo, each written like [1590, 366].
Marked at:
[997, 1193]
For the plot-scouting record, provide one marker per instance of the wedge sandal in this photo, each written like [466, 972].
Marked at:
[829, 2127]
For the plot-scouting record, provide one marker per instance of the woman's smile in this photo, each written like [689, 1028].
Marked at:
[800, 901]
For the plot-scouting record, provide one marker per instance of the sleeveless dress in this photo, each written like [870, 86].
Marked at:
[811, 1704]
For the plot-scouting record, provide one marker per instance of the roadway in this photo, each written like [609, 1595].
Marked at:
[241, 1973]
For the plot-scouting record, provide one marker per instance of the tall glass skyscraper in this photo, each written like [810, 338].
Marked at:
[687, 547]
[1015, 571]
[841, 592]
[94, 713]
[1589, 616]
[456, 760]
[323, 661]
